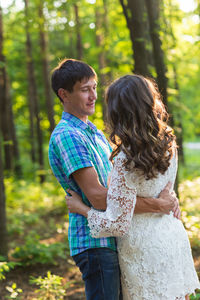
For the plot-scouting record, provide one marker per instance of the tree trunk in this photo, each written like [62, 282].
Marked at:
[79, 45]
[45, 68]
[153, 10]
[40, 144]
[17, 165]
[100, 43]
[3, 232]
[109, 75]
[135, 13]
[178, 126]
[32, 94]
[4, 107]
[33, 100]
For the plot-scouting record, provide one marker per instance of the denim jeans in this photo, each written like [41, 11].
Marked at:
[101, 273]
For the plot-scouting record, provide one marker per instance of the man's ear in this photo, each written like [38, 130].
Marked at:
[63, 94]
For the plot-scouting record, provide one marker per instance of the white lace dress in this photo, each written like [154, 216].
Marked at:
[154, 251]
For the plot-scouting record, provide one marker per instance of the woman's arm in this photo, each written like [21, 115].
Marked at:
[121, 199]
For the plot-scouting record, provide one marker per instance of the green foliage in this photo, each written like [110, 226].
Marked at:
[30, 204]
[189, 191]
[33, 196]
[50, 287]
[32, 213]
[97, 118]
[190, 201]
[34, 251]
[37, 212]
[179, 34]
[191, 168]
[6, 266]
[196, 297]
[14, 292]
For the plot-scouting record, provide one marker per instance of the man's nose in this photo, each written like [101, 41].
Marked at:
[93, 94]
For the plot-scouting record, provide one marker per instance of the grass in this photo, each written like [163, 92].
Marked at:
[191, 167]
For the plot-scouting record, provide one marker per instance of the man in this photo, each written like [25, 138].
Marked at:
[79, 157]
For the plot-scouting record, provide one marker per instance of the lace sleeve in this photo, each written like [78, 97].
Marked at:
[121, 199]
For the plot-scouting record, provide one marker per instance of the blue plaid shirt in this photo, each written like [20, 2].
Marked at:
[75, 145]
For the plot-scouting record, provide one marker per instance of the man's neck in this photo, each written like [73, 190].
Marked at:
[82, 118]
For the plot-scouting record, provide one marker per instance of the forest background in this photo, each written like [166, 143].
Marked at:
[156, 38]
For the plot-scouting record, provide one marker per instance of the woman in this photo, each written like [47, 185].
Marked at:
[154, 251]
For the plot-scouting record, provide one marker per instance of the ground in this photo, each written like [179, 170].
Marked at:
[65, 269]
[52, 227]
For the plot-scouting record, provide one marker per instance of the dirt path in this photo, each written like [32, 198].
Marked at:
[65, 269]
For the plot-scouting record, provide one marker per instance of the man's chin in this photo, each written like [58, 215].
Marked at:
[91, 112]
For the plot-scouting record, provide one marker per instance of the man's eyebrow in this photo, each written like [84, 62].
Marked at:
[88, 85]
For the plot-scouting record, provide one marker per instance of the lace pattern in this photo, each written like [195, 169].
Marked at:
[154, 251]
[121, 199]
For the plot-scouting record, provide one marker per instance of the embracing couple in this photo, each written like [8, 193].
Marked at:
[126, 238]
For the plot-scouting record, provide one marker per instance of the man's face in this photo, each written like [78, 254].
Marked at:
[81, 102]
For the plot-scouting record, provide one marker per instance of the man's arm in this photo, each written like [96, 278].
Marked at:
[165, 203]
[88, 181]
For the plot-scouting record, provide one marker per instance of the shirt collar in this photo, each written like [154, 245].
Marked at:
[77, 122]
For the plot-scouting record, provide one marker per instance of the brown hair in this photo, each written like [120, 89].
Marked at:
[138, 123]
[68, 72]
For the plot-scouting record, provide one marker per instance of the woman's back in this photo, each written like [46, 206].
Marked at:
[151, 187]
[155, 255]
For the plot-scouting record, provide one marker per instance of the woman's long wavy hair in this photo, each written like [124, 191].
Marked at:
[138, 122]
